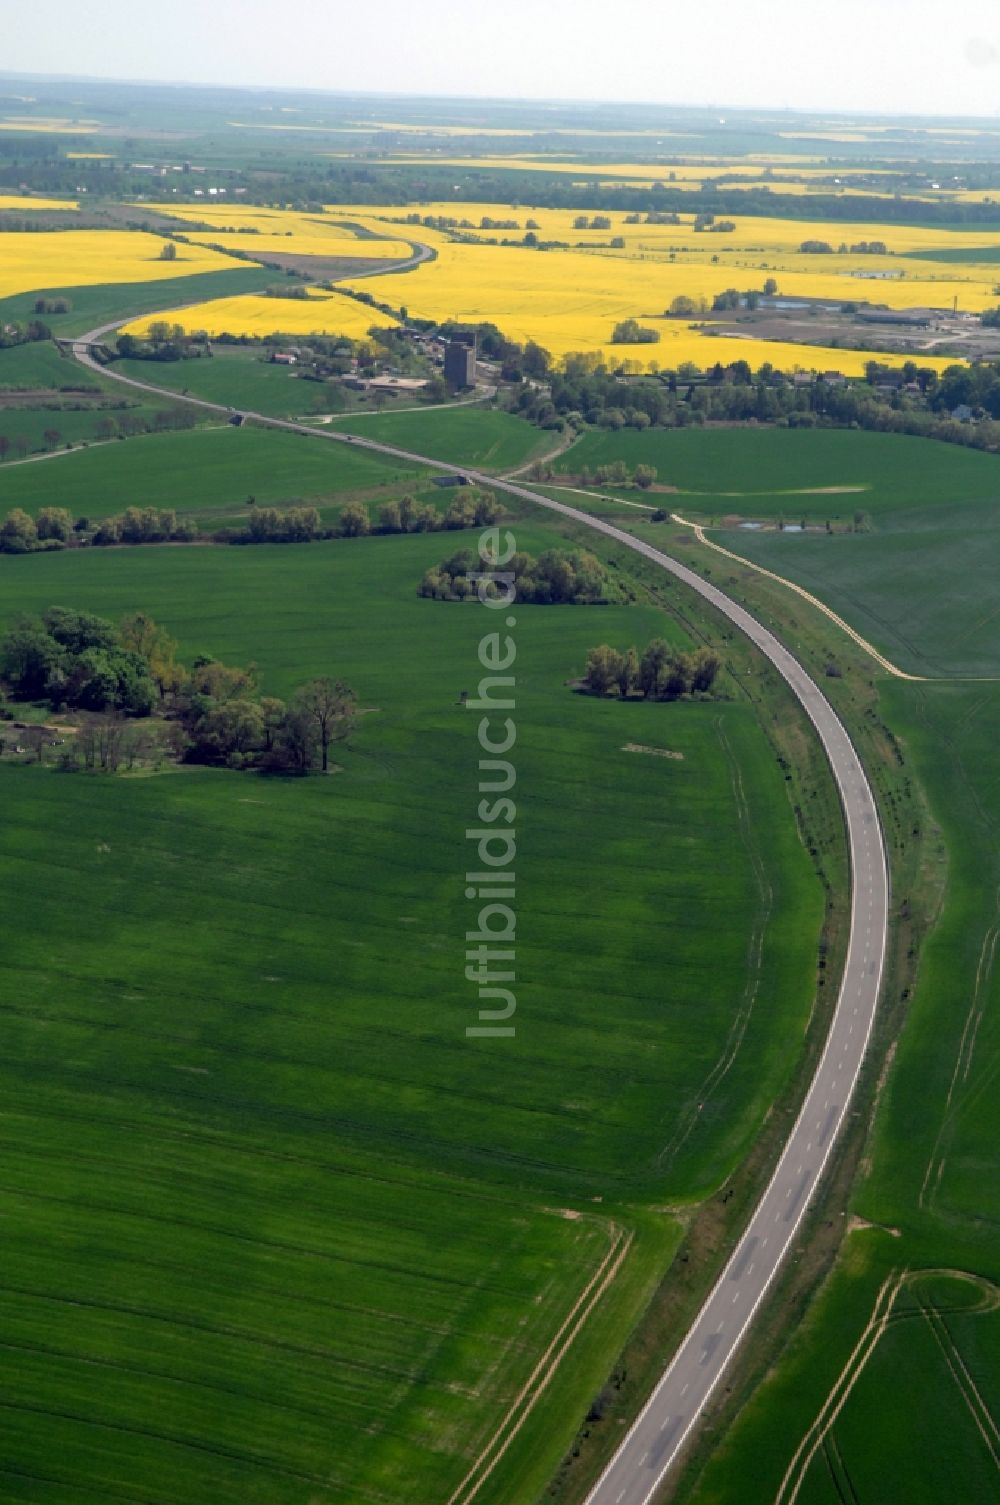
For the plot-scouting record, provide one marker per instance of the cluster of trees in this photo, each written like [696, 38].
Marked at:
[977, 386]
[858, 248]
[559, 577]
[660, 673]
[73, 659]
[214, 713]
[163, 342]
[731, 297]
[24, 332]
[631, 332]
[478, 509]
[686, 307]
[286, 290]
[595, 222]
[617, 473]
[21, 534]
[228, 723]
[706, 221]
[654, 217]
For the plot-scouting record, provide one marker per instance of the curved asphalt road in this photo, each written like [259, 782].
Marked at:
[657, 1436]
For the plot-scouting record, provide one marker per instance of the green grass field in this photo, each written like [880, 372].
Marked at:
[923, 588]
[73, 426]
[462, 435]
[209, 470]
[772, 472]
[41, 364]
[263, 1194]
[981, 254]
[237, 377]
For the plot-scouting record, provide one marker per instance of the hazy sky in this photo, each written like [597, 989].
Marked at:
[902, 56]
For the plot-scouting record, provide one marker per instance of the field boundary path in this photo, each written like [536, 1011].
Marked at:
[654, 1442]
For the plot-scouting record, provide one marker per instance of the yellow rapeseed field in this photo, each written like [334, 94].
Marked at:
[570, 299]
[77, 258]
[256, 314]
[752, 232]
[21, 201]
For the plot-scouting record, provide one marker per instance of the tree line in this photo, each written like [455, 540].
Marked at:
[913, 400]
[55, 528]
[304, 524]
[659, 673]
[615, 473]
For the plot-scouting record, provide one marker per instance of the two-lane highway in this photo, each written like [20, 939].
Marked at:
[654, 1441]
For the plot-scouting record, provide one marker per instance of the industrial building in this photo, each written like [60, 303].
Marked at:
[460, 361]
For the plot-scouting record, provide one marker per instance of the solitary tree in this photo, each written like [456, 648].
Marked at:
[169, 252]
[328, 707]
